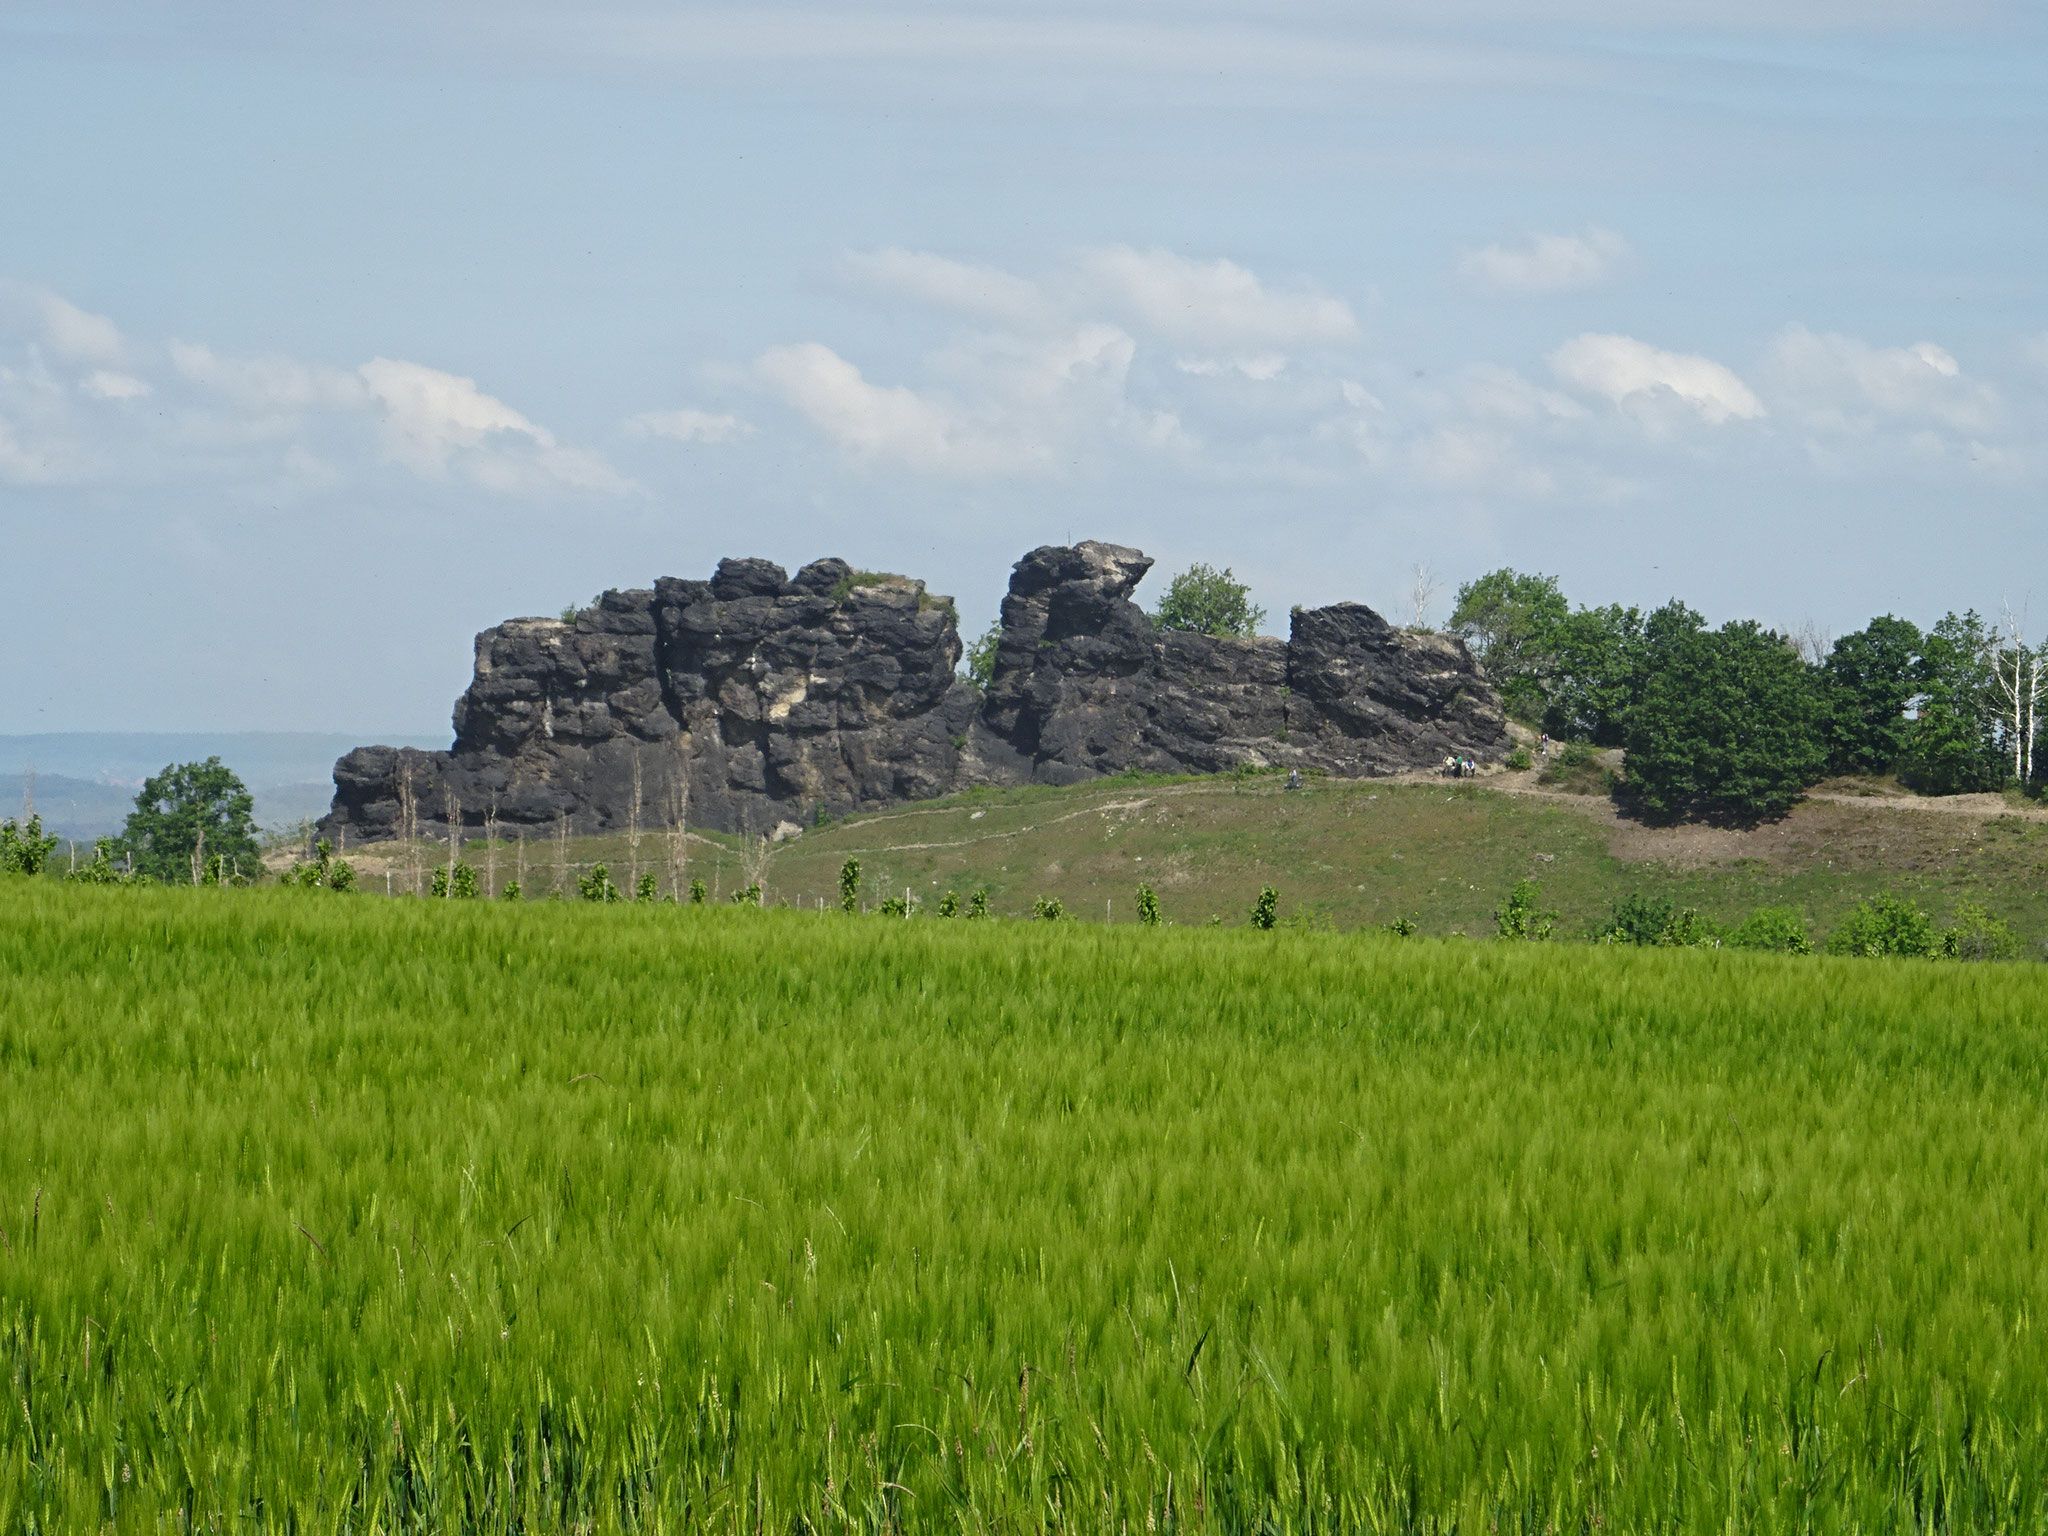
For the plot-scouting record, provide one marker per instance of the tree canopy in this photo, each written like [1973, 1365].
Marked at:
[1872, 676]
[1202, 600]
[1727, 722]
[177, 807]
[1955, 743]
[1511, 621]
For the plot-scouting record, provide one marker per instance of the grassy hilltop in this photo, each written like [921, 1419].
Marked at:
[331, 1214]
[1354, 853]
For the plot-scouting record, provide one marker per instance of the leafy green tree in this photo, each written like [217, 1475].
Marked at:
[1953, 747]
[849, 886]
[1595, 657]
[24, 847]
[980, 659]
[1871, 678]
[1511, 621]
[1976, 934]
[1202, 600]
[1148, 907]
[977, 905]
[1886, 925]
[597, 885]
[1049, 909]
[462, 885]
[182, 805]
[1266, 910]
[1728, 722]
[1519, 917]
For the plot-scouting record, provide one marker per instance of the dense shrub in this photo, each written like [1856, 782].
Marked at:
[1886, 925]
[1781, 929]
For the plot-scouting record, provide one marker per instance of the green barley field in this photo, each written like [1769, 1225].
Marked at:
[328, 1214]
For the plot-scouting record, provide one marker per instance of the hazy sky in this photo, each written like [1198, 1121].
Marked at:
[330, 334]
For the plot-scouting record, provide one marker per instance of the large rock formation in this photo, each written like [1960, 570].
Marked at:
[773, 698]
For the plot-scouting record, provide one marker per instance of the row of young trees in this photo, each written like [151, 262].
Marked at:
[1740, 720]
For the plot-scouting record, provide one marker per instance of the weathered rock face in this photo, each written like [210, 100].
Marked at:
[1085, 685]
[769, 697]
[773, 697]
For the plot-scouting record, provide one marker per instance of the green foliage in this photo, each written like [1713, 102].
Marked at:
[1202, 600]
[511, 892]
[24, 849]
[1646, 920]
[1520, 760]
[1519, 917]
[1638, 919]
[649, 889]
[980, 659]
[1048, 909]
[102, 869]
[1886, 925]
[1676, 1237]
[896, 906]
[849, 886]
[597, 885]
[326, 872]
[1729, 722]
[1871, 677]
[1401, 927]
[1575, 754]
[698, 893]
[746, 896]
[1595, 657]
[1148, 907]
[1975, 934]
[846, 585]
[977, 905]
[462, 884]
[180, 806]
[1779, 929]
[1953, 748]
[1511, 620]
[949, 904]
[1266, 910]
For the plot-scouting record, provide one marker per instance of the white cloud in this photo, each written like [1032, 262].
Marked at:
[1009, 404]
[1546, 263]
[265, 384]
[56, 324]
[1215, 304]
[429, 415]
[1837, 384]
[870, 421]
[943, 283]
[687, 425]
[1627, 371]
[268, 422]
[1260, 369]
[104, 384]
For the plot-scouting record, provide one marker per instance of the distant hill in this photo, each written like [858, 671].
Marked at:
[85, 781]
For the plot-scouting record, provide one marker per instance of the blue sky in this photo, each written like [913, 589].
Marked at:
[330, 335]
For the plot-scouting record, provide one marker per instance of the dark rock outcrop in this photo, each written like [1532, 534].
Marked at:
[773, 697]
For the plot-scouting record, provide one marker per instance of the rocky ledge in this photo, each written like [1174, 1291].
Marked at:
[766, 698]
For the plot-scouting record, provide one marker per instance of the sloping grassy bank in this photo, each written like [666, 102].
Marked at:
[331, 1214]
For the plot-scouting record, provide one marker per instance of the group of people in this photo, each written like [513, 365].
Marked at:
[1456, 767]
